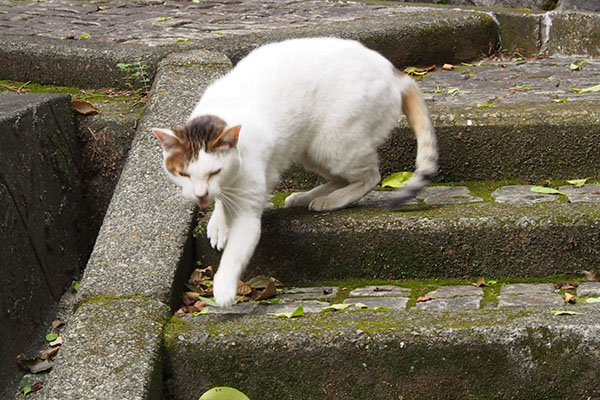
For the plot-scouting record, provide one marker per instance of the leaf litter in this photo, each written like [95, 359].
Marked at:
[200, 284]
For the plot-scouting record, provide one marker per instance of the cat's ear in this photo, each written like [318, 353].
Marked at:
[229, 137]
[167, 138]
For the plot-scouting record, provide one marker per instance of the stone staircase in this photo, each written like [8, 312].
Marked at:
[501, 123]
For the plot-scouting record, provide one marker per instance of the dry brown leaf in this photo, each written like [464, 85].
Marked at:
[243, 289]
[261, 281]
[57, 342]
[35, 365]
[479, 282]
[267, 293]
[84, 108]
[447, 67]
[201, 275]
[189, 298]
[57, 323]
[589, 276]
[181, 312]
[423, 299]
[50, 353]
[378, 289]
[565, 286]
[414, 71]
[242, 299]
[36, 386]
[570, 299]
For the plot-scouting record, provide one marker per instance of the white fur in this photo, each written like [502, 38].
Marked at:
[324, 103]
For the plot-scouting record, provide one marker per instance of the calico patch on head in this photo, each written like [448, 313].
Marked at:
[182, 145]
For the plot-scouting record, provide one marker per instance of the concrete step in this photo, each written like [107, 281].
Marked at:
[449, 232]
[508, 353]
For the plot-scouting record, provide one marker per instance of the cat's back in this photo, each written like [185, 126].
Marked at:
[299, 65]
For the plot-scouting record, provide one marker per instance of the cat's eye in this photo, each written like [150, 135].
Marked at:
[214, 173]
[184, 174]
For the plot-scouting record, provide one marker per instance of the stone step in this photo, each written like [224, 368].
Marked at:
[448, 232]
[501, 353]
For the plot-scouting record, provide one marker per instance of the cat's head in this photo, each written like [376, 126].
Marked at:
[201, 157]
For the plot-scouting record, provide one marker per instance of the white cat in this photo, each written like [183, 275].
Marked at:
[324, 103]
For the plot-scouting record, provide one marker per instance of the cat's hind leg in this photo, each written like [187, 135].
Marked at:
[355, 190]
[303, 199]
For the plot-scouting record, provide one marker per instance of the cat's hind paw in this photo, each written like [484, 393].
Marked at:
[298, 199]
[217, 232]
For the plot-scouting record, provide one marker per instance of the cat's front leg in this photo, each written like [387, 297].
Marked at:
[244, 234]
[217, 229]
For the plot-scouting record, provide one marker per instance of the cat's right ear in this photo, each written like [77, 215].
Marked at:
[167, 138]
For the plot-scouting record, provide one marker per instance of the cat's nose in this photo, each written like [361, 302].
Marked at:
[202, 201]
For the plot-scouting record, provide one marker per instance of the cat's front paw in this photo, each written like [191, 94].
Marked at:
[298, 199]
[217, 231]
[224, 290]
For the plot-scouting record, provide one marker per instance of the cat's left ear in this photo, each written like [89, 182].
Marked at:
[229, 137]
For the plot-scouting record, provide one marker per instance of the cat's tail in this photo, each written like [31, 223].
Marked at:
[413, 106]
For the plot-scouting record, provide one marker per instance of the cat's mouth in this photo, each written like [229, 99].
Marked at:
[202, 202]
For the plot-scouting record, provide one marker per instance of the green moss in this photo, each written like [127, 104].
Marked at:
[172, 329]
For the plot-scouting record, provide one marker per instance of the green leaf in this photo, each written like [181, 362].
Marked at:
[205, 310]
[577, 183]
[223, 393]
[161, 19]
[545, 190]
[576, 66]
[520, 87]
[563, 100]
[84, 36]
[467, 64]
[336, 307]
[52, 336]
[595, 88]
[296, 313]
[437, 89]
[565, 312]
[75, 286]
[396, 180]
[453, 90]
[269, 302]
[361, 306]
[210, 302]
[25, 386]
[488, 105]
[593, 300]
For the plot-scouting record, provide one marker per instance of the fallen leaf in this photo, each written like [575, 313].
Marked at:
[414, 71]
[545, 190]
[37, 386]
[565, 286]
[361, 306]
[590, 276]
[243, 289]
[84, 107]
[570, 299]
[595, 88]
[51, 352]
[593, 300]
[337, 307]
[577, 183]
[210, 302]
[189, 298]
[480, 282]
[380, 289]
[180, 313]
[262, 281]
[397, 179]
[453, 90]
[57, 323]
[51, 336]
[223, 393]
[447, 67]
[565, 312]
[576, 66]
[268, 292]
[296, 313]
[57, 342]
[486, 105]
[423, 299]
[25, 387]
[563, 100]
[269, 302]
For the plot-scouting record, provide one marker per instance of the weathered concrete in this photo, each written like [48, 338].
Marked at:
[43, 232]
[142, 240]
[366, 355]
[478, 239]
[111, 351]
